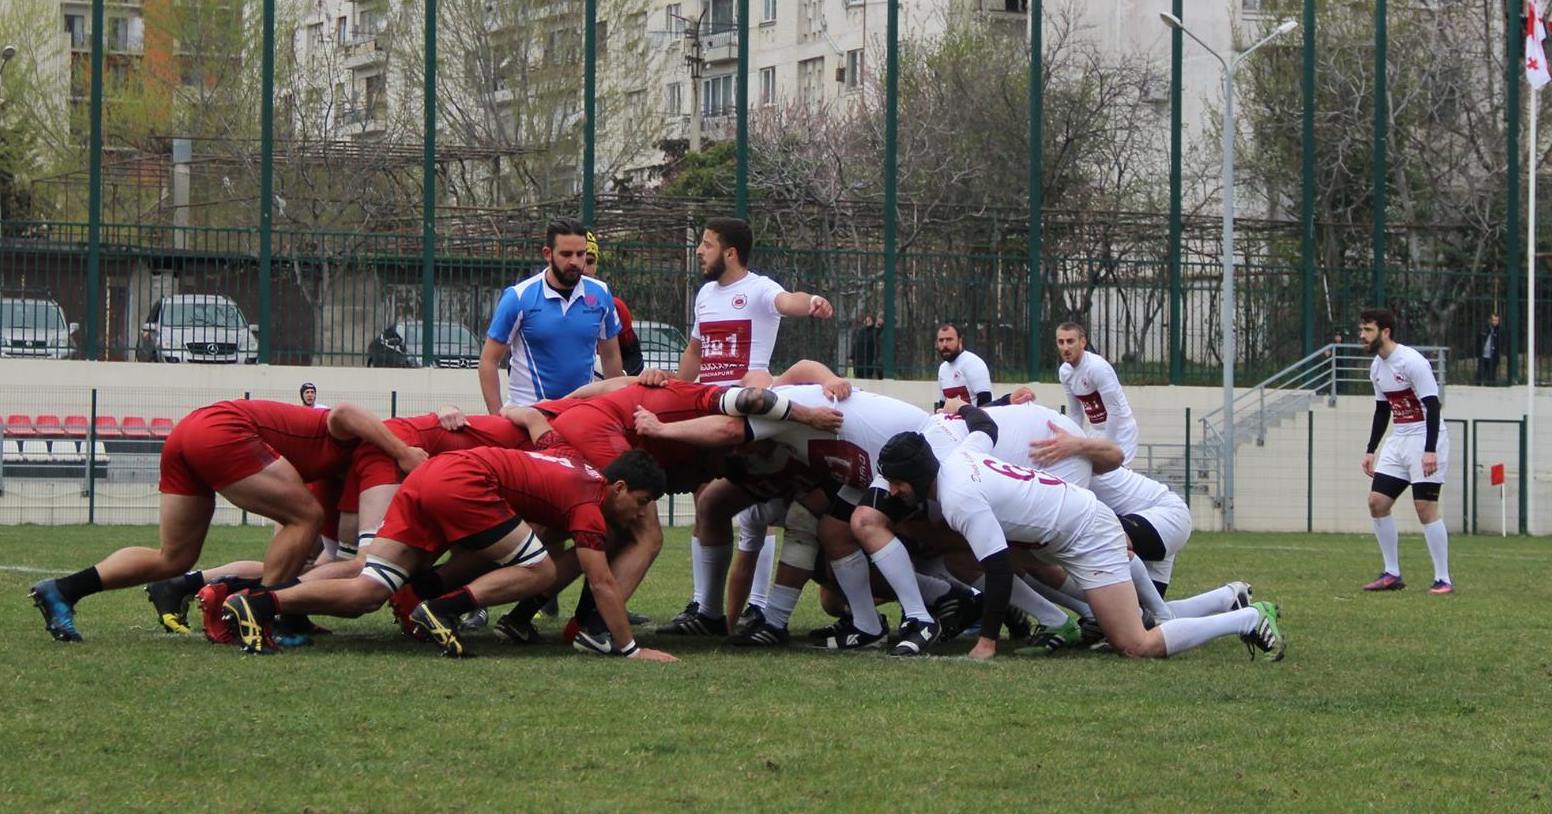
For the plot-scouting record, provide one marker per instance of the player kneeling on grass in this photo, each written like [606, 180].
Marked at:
[260, 456]
[475, 502]
[991, 503]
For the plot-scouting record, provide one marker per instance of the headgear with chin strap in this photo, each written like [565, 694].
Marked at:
[908, 457]
[592, 244]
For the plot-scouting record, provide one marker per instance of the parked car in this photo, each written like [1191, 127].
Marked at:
[399, 345]
[35, 328]
[661, 346]
[197, 328]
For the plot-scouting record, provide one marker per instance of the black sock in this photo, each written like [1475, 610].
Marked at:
[525, 609]
[585, 605]
[457, 603]
[264, 604]
[80, 584]
[428, 584]
[191, 582]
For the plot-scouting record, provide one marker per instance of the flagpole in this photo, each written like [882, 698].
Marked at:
[1530, 322]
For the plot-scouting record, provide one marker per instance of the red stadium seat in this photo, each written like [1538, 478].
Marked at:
[135, 427]
[161, 427]
[108, 427]
[75, 426]
[48, 426]
[19, 426]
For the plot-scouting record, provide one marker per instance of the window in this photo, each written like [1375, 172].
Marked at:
[370, 22]
[673, 102]
[854, 69]
[602, 38]
[315, 35]
[673, 18]
[721, 16]
[341, 29]
[717, 96]
[811, 80]
[767, 86]
[118, 34]
[75, 26]
[376, 96]
[768, 11]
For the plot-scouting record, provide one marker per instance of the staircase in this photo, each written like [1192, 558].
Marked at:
[1333, 370]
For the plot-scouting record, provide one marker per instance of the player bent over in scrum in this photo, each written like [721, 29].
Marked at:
[992, 503]
[475, 502]
[257, 454]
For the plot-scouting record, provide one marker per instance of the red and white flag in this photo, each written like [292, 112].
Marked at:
[1535, 55]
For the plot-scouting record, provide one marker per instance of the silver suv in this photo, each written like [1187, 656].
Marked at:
[35, 328]
[199, 328]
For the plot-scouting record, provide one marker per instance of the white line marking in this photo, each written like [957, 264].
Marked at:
[1309, 550]
[27, 569]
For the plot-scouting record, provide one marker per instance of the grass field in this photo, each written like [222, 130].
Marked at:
[1400, 701]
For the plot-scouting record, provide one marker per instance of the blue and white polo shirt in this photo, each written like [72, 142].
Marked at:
[553, 339]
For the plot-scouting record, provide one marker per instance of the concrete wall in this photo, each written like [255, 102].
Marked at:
[1273, 480]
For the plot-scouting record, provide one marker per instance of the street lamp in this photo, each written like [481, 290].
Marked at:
[5, 59]
[1226, 308]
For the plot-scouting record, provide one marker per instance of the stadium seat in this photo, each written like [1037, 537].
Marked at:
[108, 427]
[13, 451]
[75, 426]
[135, 427]
[161, 427]
[66, 452]
[48, 425]
[99, 452]
[19, 426]
[35, 451]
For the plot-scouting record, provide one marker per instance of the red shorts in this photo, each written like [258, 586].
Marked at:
[369, 467]
[447, 501]
[211, 449]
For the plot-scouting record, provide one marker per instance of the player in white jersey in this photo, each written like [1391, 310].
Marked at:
[1417, 453]
[1093, 391]
[1019, 428]
[868, 421]
[962, 374]
[993, 503]
[737, 316]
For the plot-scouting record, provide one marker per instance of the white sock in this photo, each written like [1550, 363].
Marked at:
[1438, 538]
[783, 600]
[697, 580]
[894, 562]
[763, 568]
[1148, 593]
[713, 562]
[1025, 599]
[935, 567]
[1218, 600]
[1181, 635]
[851, 571]
[932, 588]
[1385, 532]
[1077, 606]
[1071, 588]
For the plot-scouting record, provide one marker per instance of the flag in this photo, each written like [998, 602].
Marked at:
[1535, 55]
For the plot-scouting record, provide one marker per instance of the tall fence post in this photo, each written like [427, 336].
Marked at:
[741, 114]
[428, 197]
[1381, 131]
[1515, 30]
[1307, 184]
[589, 108]
[1036, 183]
[91, 464]
[1188, 457]
[1525, 481]
[1309, 472]
[266, 179]
[1176, 50]
[891, 182]
[94, 193]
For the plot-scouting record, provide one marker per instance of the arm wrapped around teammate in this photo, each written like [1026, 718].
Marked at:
[976, 420]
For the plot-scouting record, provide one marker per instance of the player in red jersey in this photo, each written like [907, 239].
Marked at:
[475, 502]
[257, 454]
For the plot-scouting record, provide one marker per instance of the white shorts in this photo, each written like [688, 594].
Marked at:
[1172, 520]
[1096, 554]
[1402, 457]
[758, 519]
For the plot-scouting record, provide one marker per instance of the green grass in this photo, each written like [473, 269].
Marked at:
[1396, 701]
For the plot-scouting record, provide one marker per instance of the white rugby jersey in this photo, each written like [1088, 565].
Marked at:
[992, 502]
[1094, 392]
[1018, 426]
[736, 325]
[964, 377]
[1404, 379]
[869, 421]
[1127, 492]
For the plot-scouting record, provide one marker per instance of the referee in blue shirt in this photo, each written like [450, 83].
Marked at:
[552, 323]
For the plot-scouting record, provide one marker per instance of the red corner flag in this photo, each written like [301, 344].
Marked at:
[1535, 55]
[1497, 474]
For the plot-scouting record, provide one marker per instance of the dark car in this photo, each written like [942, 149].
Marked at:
[399, 345]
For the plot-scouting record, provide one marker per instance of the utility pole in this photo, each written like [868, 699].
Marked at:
[697, 63]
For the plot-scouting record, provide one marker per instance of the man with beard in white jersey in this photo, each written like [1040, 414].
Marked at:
[993, 504]
[962, 375]
[1417, 453]
[737, 316]
[868, 421]
[1093, 391]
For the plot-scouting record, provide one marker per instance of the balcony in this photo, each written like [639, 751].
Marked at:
[719, 45]
[364, 53]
